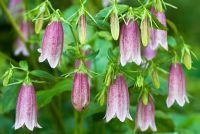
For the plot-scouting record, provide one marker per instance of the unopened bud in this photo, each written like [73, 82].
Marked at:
[7, 77]
[38, 24]
[155, 79]
[114, 25]
[82, 29]
[145, 97]
[145, 31]
[187, 60]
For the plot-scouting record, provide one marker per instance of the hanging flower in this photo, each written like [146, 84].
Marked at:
[158, 37]
[26, 109]
[80, 91]
[52, 43]
[145, 115]
[16, 8]
[118, 100]
[19, 44]
[149, 53]
[130, 43]
[176, 86]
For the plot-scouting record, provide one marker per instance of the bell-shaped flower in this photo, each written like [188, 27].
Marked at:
[16, 8]
[158, 37]
[19, 44]
[145, 115]
[26, 109]
[176, 86]
[80, 91]
[149, 53]
[52, 43]
[118, 100]
[130, 43]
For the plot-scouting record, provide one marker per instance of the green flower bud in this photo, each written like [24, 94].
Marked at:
[187, 60]
[145, 97]
[82, 29]
[38, 24]
[114, 25]
[155, 79]
[145, 31]
[8, 74]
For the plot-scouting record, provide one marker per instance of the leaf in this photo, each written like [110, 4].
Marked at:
[92, 55]
[104, 12]
[122, 8]
[24, 65]
[8, 98]
[41, 73]
[44, 97]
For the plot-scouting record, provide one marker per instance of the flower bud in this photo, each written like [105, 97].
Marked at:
[82, 29]
[145, 115]
[176, 86]
[114, 25]
[145, 31]
[155, 79]
[187, 60]
[52, 43]
[118, 100]
[80, 91]
[26, 109]
[130, 43]
[38, 24]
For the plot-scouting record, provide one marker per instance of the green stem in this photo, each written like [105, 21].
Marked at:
[4, 56]
[78, 123]
[12, 21]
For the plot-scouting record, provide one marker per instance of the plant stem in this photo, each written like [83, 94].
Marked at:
[12, 21]
[8, 58]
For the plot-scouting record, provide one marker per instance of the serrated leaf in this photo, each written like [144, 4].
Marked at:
[42, 74]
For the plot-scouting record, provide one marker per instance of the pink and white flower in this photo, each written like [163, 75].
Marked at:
[118, 100]
[176, 86]
[26, 109]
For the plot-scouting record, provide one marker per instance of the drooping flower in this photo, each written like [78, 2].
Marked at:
[19, 44]
[82, 29]
[149, 53]
[158, 37]
[130, 43]
[16, 8]
[52, 43]
[176, 86]
[145, 115]
[80, 91]
[114, 25]
[26, 109]
[118, 100]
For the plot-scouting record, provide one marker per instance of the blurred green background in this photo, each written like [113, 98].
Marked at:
[56, 118]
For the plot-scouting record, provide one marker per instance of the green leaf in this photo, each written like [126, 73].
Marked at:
[44, 97]
[24, 65]
[92, 55]
[42, 74]
[104, 12]
[8, 98]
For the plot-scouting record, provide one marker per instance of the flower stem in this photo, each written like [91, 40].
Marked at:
[12, 21]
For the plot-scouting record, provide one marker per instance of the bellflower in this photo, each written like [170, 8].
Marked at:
[26, 109]
[130, 43]
[19, 44]
[145, 115]
[176, 86]
[118, 100]
[158, 37]
[16, 7]
[52, 43]
[80, 91]
[149, 53]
